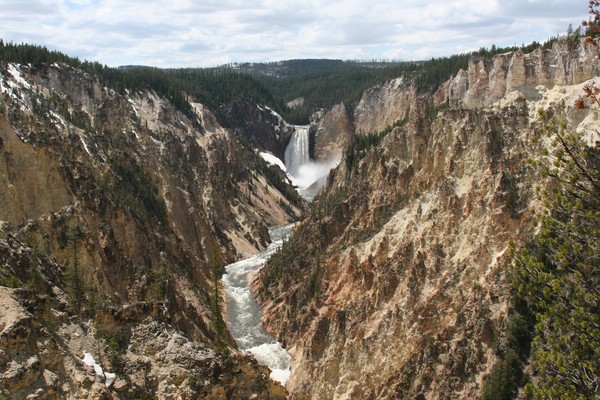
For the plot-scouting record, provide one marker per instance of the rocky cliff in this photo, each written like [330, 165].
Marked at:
[118, 212]
[488, 80]
[261, 126]
[385, 104]
[333, 132]
[394, 286]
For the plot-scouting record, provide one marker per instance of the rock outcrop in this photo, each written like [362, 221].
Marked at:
[118, 211]
[384, 105]
[261, 126]
[396, 287]
[333, 132]
[487, 81]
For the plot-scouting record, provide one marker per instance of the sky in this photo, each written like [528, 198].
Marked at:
[192, 33]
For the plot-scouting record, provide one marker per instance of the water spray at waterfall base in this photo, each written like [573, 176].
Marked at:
[308, 175]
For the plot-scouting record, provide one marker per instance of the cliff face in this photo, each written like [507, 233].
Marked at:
[385, 104]
[261, 126]
[117, 212]
[333, 132]
[394, 286]
[487, 81]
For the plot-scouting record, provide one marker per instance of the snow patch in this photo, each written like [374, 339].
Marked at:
[17, 76]
[58, 118]
[272, 160]
[109, 377]
[12, 85]
[134, 106]
[87, 150]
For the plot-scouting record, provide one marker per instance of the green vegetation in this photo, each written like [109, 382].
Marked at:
[211, 87]
[133, 188]
[327, 201]
[558, 272]
[115, 351]
[505, 380]
[293, 256]
[321, 83]
[276, 178]
[214, 87]
[31, 54]
[324, 83]
[158, 282]
[507, 376]
[10, 281]
[361, 143]
[74, 280]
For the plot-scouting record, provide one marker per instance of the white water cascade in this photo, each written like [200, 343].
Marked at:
[244, 315]
[296, 152]
[308, 175]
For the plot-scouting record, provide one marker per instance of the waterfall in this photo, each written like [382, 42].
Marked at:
[296, 153]
[308, 175]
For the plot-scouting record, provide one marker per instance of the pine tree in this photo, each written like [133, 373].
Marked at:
[218, 325]
[75, 287]
[558, 274]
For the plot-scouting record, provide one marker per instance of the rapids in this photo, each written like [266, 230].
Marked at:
[244, 314]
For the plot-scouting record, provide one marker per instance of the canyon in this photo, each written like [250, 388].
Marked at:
[119, 212]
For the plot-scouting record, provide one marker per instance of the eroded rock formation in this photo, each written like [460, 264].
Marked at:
[333, 132]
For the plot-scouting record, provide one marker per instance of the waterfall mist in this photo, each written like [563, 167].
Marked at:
[307, 174]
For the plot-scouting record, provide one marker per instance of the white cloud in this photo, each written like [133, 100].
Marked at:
[212, 32]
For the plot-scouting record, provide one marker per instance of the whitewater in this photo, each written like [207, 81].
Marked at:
[244, 317]
[306, 174]
[244, 314]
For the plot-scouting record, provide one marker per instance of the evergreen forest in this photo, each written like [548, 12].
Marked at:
[321, 83]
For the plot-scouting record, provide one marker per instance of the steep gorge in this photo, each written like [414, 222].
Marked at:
[394, 286]
[118, 213]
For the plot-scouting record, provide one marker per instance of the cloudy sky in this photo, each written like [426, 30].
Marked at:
[172, 33]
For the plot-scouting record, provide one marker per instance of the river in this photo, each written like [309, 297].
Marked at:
[244, 314]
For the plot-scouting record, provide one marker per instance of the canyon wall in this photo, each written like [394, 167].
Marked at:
[262, 127]
[395, 286]
[333, 132]
[118, 213]
[488, 80]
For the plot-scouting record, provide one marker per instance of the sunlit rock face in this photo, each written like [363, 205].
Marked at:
[391, 282]
[116, 211]
[394, 286]
[383, 105]
[333, 132]
[488, 80]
